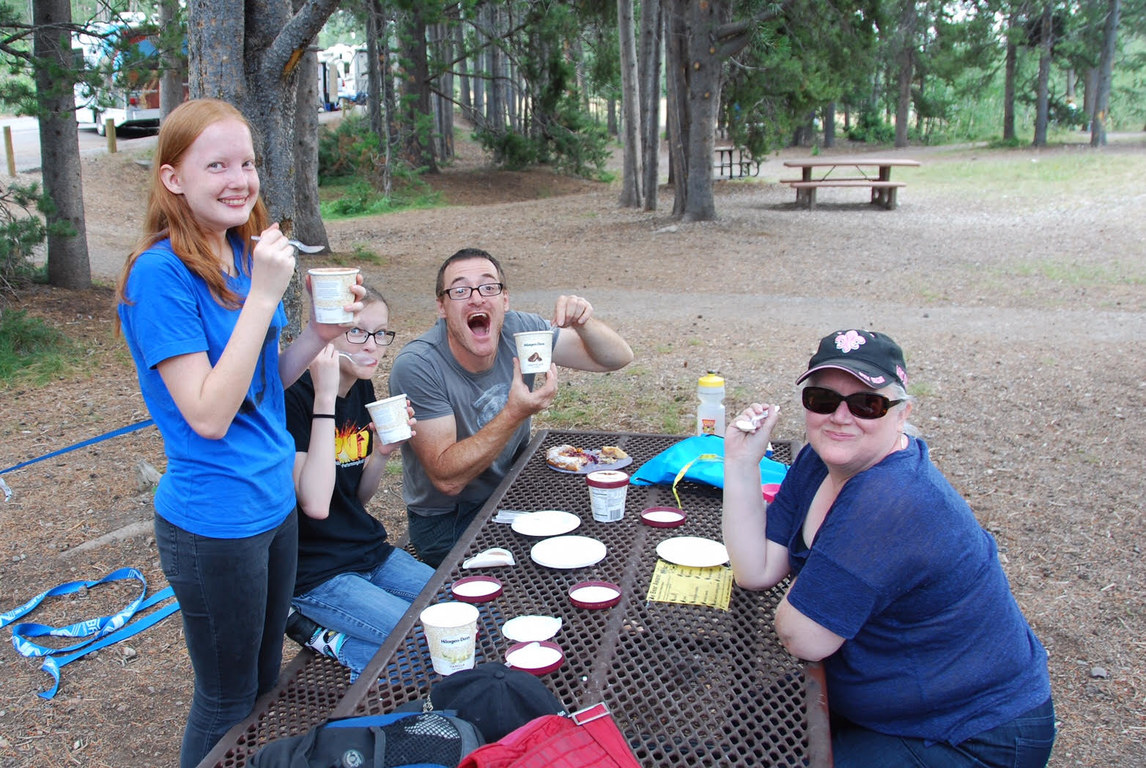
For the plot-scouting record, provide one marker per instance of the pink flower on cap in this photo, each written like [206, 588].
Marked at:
[849, 342]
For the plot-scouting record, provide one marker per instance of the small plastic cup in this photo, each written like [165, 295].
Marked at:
[330, 287]
[607, 491]
[534, 350]
[391, 420]
[451, 634]
[769, 490]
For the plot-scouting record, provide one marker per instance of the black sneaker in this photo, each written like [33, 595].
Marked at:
[307, 633]
[299, 628]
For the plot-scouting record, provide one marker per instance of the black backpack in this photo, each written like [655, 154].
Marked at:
[425, 739]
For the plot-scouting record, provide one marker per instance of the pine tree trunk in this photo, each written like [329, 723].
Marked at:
[1105, 68]
[650, 70]
[68, 264]
[1010, 66]
[1046, 41]
[631, 104]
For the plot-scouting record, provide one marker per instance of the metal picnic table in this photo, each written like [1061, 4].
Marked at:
[689, 685]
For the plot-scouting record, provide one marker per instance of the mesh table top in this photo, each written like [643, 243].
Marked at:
[688, 685]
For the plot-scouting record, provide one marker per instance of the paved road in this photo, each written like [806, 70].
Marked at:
[26, 142]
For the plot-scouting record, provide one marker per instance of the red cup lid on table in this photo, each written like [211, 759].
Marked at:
[476, 589]
[593, 595]
[663, 517]
[536, 658]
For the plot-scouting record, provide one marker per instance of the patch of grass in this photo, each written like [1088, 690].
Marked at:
[1084, 275]
[593, 400]
[360, 198]
[359, 256]
[31, 350]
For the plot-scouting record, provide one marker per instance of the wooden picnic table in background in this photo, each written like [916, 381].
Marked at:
[878, 179]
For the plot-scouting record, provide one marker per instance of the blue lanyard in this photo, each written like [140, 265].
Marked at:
[98, 633]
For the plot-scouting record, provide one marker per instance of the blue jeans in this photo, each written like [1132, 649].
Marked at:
[234, 595]
[366, 606]
[435, 536]
[1024, 742]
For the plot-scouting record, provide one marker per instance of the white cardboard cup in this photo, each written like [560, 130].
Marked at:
[534, 350]
[330, 287]
[451, 634]
[607, 491]
[391, 420]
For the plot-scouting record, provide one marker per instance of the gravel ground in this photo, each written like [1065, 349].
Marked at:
[1018, 303]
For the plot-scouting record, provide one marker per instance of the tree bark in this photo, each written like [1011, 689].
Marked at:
[374, 59]
[631, 104]
[677, 119]
[173, 71]
[830, 125]
[1010, 67]
[905, 60]
[308, 226]
[68, 264]
[1046, 42]
[1105, 69]
[650, 86]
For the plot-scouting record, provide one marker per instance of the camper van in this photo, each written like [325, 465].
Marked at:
[123, 56]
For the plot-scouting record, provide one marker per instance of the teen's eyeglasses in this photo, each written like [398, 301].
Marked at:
[359, 336]
[463, 292]
[863, 405]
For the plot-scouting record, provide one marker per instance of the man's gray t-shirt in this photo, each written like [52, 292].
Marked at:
[426, 371]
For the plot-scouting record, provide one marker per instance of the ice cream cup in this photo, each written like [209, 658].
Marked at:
[534, 350]
[607, 491]
[330, 287]
[391, 420]
[451, 634]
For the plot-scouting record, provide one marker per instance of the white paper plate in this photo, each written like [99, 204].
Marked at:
[531, 629]
[568, 552]
[693, 551]
[545, 522]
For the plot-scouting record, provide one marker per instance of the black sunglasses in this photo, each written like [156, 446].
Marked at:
[863, 405]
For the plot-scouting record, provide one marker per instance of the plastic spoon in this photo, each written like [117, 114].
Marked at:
[301, 246]
[751, 425]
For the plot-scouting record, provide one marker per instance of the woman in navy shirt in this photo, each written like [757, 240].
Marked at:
[893, 583]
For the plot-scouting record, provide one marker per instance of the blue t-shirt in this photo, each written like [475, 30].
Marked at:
[936, 646]
[239, 485]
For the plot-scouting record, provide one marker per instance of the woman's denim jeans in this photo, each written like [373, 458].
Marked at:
[234, 595]
[1024, 742]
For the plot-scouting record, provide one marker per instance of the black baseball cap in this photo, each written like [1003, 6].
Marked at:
[873, 358]
[495, 698]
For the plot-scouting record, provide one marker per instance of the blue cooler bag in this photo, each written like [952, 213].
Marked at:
[702, 460]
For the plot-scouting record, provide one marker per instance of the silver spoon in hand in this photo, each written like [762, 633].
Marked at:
[359, 358]
[300, 246]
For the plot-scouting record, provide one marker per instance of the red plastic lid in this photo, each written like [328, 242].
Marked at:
[593, 595]
[537, 658]
[607, 478]
[663, 517]
[476, 589]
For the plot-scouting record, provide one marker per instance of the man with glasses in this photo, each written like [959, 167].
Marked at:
[473, 404]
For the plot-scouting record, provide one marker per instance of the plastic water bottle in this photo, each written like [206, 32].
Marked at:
[710, 411]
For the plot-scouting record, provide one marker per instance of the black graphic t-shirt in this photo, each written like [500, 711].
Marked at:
[350, 539]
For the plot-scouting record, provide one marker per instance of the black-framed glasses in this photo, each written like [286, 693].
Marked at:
[463, 292]
[863, 405]
[359, 336]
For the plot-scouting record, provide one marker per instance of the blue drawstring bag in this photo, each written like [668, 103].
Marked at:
[702, 460]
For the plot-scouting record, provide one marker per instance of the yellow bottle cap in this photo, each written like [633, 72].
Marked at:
[710, 381]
